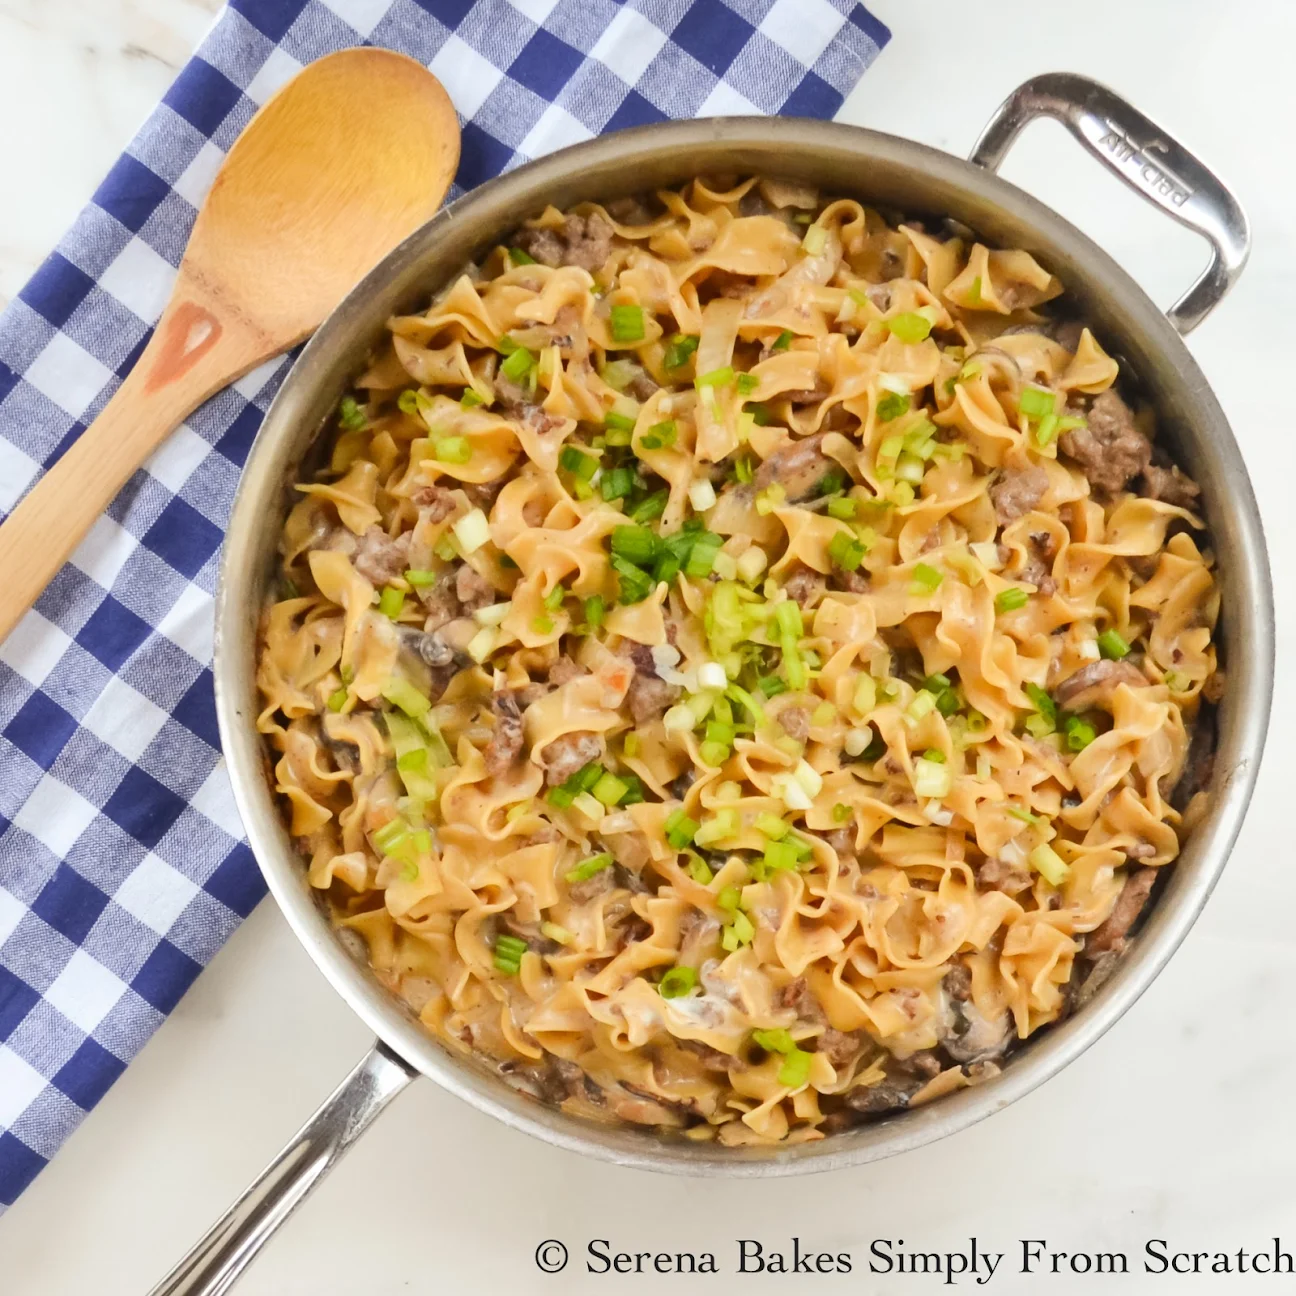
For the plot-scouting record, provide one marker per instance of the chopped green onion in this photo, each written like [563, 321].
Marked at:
[586, 870]
[1041, 701]
[795, 1070]
[1079, 733]
[542, 625]
[833, 481]
[651, 507]
[841, 813]
[391, 836]
[470, 398]
[637, 544]
[1010, 599]
[519, 257]
[816, 239]
[677, 982]
[407, 402]
[660, 436]
[578, 464]
[337, 699]
[1049, 864]
[1112, 645]
[760, 413]
[846, 551]
[617, 484]
[554, 599]
[350, 415]
[615, 421]
[417, 577]
[627, 323]
[771, 685]
[747, 383]
[698, 870]
[518, 364]
[595, 611]
[390, 602]
[609, 790]
[783, 341]
[775, 1041]
[892, 405]
[634, 585]
[405, 697]
[1035, 402]
[1047, 429]
[680, 349]
[738, 933]
[721, 377]
[508, 954]
[680, 829]
[843, 508]
[909, 327]
[787, 616]
[456, 450]
[926, 579]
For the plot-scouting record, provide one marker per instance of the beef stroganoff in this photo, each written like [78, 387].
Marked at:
[739, 665]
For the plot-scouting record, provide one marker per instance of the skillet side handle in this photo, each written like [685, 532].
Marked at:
[216, 1262]
[1142, 154]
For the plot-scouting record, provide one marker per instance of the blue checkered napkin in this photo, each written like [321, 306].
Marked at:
[122, 865]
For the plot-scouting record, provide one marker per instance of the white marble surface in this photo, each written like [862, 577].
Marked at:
[1179, 1124]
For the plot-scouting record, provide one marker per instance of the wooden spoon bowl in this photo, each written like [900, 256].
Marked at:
[346, 160]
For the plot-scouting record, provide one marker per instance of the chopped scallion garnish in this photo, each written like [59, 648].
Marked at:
[679, 350]
[909, 327]
[1112, 645]
[627, 323]
[677, 982]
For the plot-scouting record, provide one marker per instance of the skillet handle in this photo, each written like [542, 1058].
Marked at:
[231, 1244]
[1152, 163]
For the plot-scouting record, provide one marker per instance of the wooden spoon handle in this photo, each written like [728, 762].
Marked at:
[196, 349]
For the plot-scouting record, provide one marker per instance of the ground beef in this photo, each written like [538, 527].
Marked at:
[958, 982]
[838, 1046]
[999, 875]
[641, 386]
[569, 753]
[1170, 486]
[1038, 567]
[483, 495]
[1017, 491]
[798, 467]
[711, 1058]
[472, 589]
[592, 887]
[506, 742]
[584, 241]
[1129, 904]
[648, 696]
[563, 671]
[435, 503]
[1110, 449]
[440, 602]
[853, 582]
[1093, 685]
[632, 210]
[796, 722]
[803, 583]
[1067, 334]
[379, 558]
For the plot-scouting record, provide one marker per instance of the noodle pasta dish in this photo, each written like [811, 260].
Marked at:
[741, 660]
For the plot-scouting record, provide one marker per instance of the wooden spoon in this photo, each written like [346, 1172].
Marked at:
[352, 155]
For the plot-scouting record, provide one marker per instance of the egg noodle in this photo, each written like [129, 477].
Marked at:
[734, 660]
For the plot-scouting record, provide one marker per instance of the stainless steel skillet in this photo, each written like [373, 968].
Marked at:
[888, 172]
